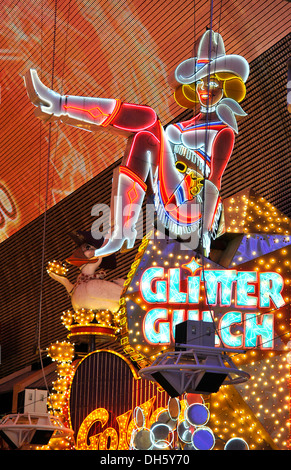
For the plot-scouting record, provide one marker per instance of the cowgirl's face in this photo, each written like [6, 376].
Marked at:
[209, 91]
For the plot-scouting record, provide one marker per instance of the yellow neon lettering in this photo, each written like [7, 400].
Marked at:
[123, 421]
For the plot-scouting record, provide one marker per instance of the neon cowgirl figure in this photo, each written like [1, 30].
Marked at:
[182, 165]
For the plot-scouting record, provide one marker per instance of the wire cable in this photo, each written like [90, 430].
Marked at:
[207, 122]
[45, 212]
[56, 146]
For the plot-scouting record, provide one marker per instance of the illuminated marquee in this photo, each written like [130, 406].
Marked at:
[168, 287]
[101, 422]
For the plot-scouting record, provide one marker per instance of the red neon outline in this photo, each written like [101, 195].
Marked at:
[189, 269]
[161, 158]
[155, 278]
[258, 343]
[242, 335]
[203, 158]
[199, 290]
[188, 180]
[89, 111]
[169, 283]
[111, 116]
[218, 290]
[208, 127]
[135, 193]
[128, 172]
[255, 294]
[163, 191]
[131, 200]
[163, 320]
[128, 129]
[137, 135]
[189, 122]
[181, 218]
[270, 300]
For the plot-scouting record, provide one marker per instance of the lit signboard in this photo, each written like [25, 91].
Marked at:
[137, 419]
[181, 167]
[167, 286]
[246, 296]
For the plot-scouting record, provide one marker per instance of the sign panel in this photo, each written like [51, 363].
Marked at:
[181, 167]
[104, 421]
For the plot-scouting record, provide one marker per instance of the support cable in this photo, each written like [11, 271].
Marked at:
[204, 170]
[45, 213]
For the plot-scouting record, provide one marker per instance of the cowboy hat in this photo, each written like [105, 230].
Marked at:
[211, 58]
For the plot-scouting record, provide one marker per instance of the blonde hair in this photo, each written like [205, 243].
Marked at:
[233, 87]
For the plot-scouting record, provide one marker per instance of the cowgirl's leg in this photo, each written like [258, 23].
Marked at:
[129, 189]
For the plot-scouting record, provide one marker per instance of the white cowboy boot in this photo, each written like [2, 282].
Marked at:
[126, 210]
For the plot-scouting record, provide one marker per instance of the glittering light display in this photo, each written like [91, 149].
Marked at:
[259, 409]
[248, 303]
[62, 353]
[159, 297]
[146, 428]
[165, 286]
[260, 289]
[250, 294]
[267, 395]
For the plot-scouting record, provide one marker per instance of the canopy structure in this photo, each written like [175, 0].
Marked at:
[28, 429]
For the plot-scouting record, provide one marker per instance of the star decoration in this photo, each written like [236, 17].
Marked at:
[192, 266]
